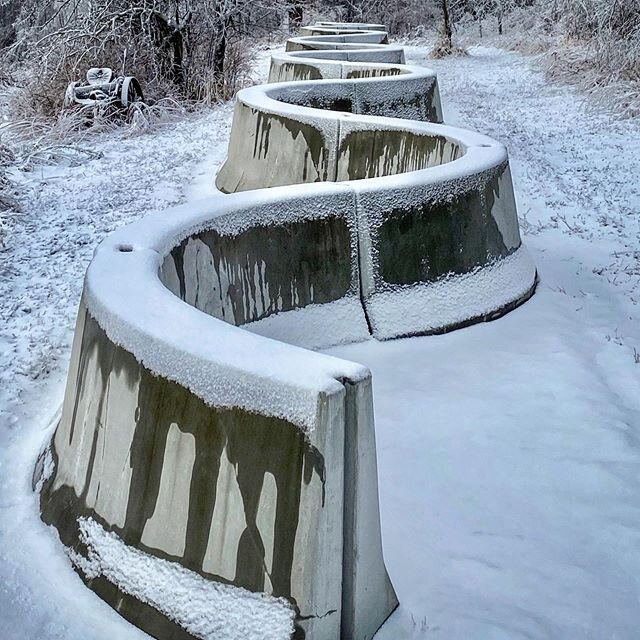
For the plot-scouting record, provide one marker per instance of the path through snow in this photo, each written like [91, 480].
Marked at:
[510, 452]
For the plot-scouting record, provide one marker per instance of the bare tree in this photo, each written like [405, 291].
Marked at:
[447, 34]
[296, 14]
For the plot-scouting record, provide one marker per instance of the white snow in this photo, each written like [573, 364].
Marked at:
[316, 326]
[206, 609]
[509, 472]
[509, 456]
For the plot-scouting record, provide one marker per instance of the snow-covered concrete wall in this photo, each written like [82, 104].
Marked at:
[329, 38]
[376, 34]
[437, 227]
[291, 132]
[201, 449]
[204, 451]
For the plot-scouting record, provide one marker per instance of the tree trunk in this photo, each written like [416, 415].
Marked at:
[218, 59]
[349, 11]
[177, 67]
[295, 16]
[447, 33]
[169, 44]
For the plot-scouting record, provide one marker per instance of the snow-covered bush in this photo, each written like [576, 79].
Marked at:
[9, 205]
[189, 50]
[592, 43]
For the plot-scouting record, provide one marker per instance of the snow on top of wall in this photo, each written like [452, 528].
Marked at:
[270, 99]
[366, 26]
[329, 36]
[333, 69]
[375, 53]
[204, 608]
[332, 59]
[224, 365]
[335, 42]
[264, 99]
[281, 65]
[238, 212]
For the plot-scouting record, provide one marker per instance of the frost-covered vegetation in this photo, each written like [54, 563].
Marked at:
[198, 51]
[192, 50]
[592, 43]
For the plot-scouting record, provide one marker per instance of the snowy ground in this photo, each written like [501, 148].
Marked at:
[509, 453]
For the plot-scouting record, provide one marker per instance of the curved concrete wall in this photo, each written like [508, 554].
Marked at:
[209, 477]
[437, 228]
[302, 132]
[331, 38]
[351, 26]
[240, 460]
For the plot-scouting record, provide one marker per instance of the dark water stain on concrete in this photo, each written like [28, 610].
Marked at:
[335, 102]
[313, 137]
[415, 99]
[300, 263]
[255, 445]
[384, 152]
[300, 71]
[423, 243]
[372, 72]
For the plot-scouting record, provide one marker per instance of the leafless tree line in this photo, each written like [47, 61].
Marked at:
[195, 50]
[189, 49]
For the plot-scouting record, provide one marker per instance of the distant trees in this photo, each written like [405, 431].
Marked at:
[296, 14]
[9, 10]
[447, 32]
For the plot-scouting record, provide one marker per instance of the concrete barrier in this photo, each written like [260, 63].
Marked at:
[290, 132]
[352, 26]
[237, 458]
[212, 478]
